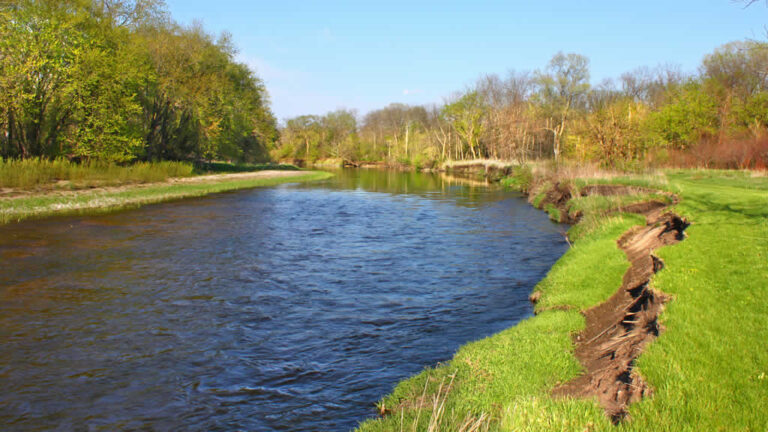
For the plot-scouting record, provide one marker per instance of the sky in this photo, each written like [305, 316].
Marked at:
[318, 56]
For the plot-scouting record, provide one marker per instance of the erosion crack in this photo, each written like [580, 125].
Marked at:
[618, 330]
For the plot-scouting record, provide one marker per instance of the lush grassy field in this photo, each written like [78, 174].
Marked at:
[708, 369]
[35, 206]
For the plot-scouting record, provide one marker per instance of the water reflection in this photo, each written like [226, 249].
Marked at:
[429, 185]
[287, 308]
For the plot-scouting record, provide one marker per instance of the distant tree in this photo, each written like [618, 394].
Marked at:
[691, 115]
[301, 133]
[466, 117]
[561, 88]
[340, 127]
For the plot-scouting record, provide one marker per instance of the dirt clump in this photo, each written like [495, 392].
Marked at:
[535, 297]
[557, 196]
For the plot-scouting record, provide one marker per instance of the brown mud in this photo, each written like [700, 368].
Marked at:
[561, 193]
[618, 330]
[612, 190]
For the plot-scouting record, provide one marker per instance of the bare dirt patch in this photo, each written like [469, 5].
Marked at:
[613, 190]
[618, 330]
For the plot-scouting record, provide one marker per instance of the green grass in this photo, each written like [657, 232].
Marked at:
[709, 369]
[88, 202]
[30, 173]
[63, 174]
[521, 178]
[649, 181]
[594, 209]
[601, 203]
[553, 212]
[224, 167]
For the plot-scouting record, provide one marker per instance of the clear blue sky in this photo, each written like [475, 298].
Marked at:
[317, 56]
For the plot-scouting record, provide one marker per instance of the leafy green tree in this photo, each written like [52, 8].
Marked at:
[116, 80]
[692, 115]
[301, 136]
[39, 44]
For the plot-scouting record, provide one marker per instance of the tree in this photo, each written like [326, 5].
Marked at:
[465, 116]
[299, 134]
[340, 126]
[561, 88]
[116, 80]
[692, 115]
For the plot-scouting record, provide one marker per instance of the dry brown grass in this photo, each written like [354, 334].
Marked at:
[487, 163]
[749, 151]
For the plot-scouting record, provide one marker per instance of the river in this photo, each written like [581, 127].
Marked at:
[286, 308]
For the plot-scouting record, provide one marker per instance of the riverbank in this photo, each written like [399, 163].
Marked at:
[706, 370]
[18, 205]
[494, 169]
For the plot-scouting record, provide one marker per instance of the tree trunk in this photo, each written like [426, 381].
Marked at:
[10, 131]
[407, 132]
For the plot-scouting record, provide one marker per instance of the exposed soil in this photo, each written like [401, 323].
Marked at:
[645, 207]
[612, 190]
[561, 193]
[558, 196]
[618, 330]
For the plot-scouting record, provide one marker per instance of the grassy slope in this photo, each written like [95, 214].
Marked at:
[709, 369]
[17, 209]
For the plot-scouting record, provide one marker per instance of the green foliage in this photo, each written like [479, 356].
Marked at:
[691, 115]
[656, 117]
[36, 172]
[613, 132]
[538, 199]
[222, 167]
[311, 138]
[118, 81]
[521, 178]
[751, 112]
[465, 117]
[553, 212]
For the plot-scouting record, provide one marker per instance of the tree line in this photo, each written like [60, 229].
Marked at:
[120, 81]
[717, 116]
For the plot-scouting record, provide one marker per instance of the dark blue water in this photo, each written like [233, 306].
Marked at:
[287, 308]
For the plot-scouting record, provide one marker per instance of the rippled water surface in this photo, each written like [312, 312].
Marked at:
[287, 308]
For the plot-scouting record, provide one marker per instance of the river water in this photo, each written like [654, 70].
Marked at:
[287, 308]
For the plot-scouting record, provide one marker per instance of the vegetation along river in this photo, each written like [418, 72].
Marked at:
[288, 308]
